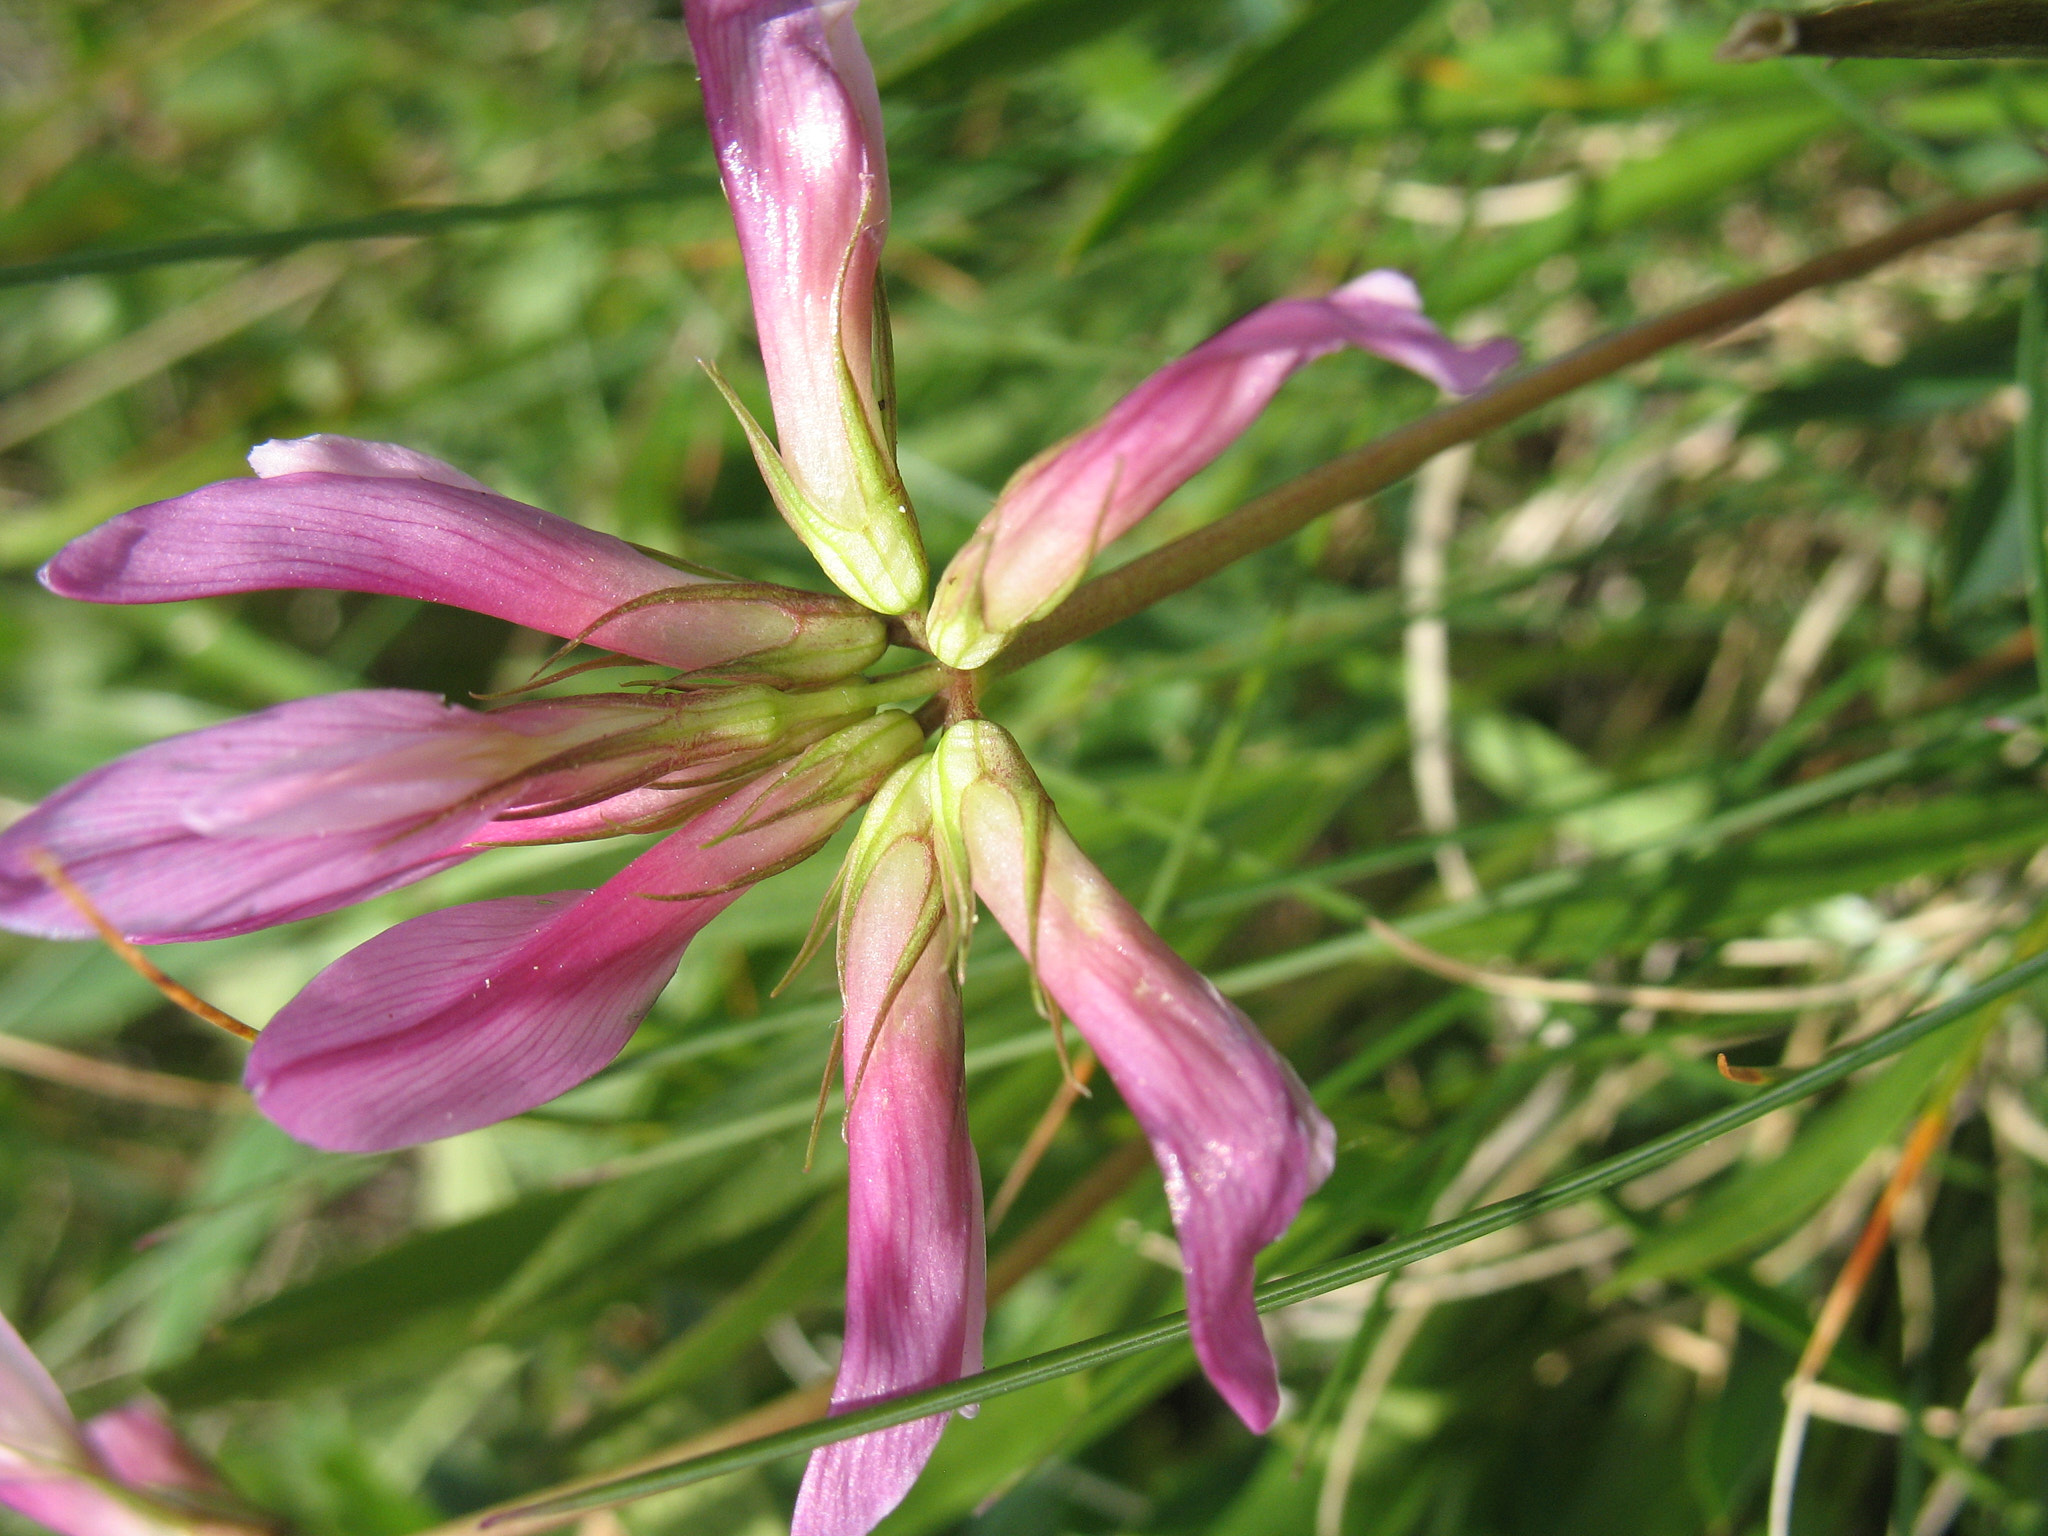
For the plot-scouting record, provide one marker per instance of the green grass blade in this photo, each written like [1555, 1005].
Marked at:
[1242, 114]
[374, 226]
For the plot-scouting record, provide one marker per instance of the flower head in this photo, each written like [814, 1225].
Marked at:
[748, 758]
[798, 127]
[1063, 507]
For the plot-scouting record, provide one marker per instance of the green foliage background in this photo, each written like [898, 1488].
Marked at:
[1739, 696]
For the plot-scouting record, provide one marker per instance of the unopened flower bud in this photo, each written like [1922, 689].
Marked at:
[798, 127]
[1061, 509]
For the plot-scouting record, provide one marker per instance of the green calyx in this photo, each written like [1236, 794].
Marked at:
[870, 549]
[980, 755]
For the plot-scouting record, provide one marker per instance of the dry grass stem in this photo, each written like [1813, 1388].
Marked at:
[111, 1080]
[140, 963]
[1729, 1000]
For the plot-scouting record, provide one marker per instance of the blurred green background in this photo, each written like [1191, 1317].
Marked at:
[1738, 694]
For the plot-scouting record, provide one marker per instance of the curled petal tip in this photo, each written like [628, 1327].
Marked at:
[324, 453]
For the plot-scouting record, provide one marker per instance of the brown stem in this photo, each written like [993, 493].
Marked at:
[1287, 509]
[1895, 29]
[112, 937]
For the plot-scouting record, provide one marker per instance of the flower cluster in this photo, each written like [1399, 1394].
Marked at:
[764, 734]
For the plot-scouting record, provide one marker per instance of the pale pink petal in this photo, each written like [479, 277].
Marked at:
[326, 454]
[46, 1465]
[35, 1421]
[798, 129]
[1066, 505]
[475, 1013]
[915, 1281]
[138, 1445]
[283, 814]
[1236, 1135]
[448, 543]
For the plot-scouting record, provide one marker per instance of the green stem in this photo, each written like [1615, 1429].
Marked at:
[1287, 509]
[1090, 1353]
[901, 687]
[2032, 449]
[376, 226]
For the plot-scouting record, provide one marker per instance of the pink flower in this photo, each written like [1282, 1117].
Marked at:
[312, 805]
[1066, 505]
[1236, 1135]
[374, 517]
[472, 1014]
[126, 1473]
[791, 99]
[915, 1283]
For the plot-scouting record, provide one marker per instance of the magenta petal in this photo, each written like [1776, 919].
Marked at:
[465, 1016]
[150, 837]
[915, 1278]
[410, 537]
[1236, 1135]
[472, 1014]
[1066, 505]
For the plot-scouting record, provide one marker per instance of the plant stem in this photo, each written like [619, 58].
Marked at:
[1287, 509]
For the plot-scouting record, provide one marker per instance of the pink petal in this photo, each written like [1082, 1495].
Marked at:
[475, 1013]
[421, 536]
[1236, 1135]
[468, 1015]
[1066, 505]
[75, 1507]
[137, 1444]
[283, 814]
[798, 128]
[915, 1286]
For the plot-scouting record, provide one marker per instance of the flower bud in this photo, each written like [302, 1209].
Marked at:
[798, 129]
[1061, 509]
